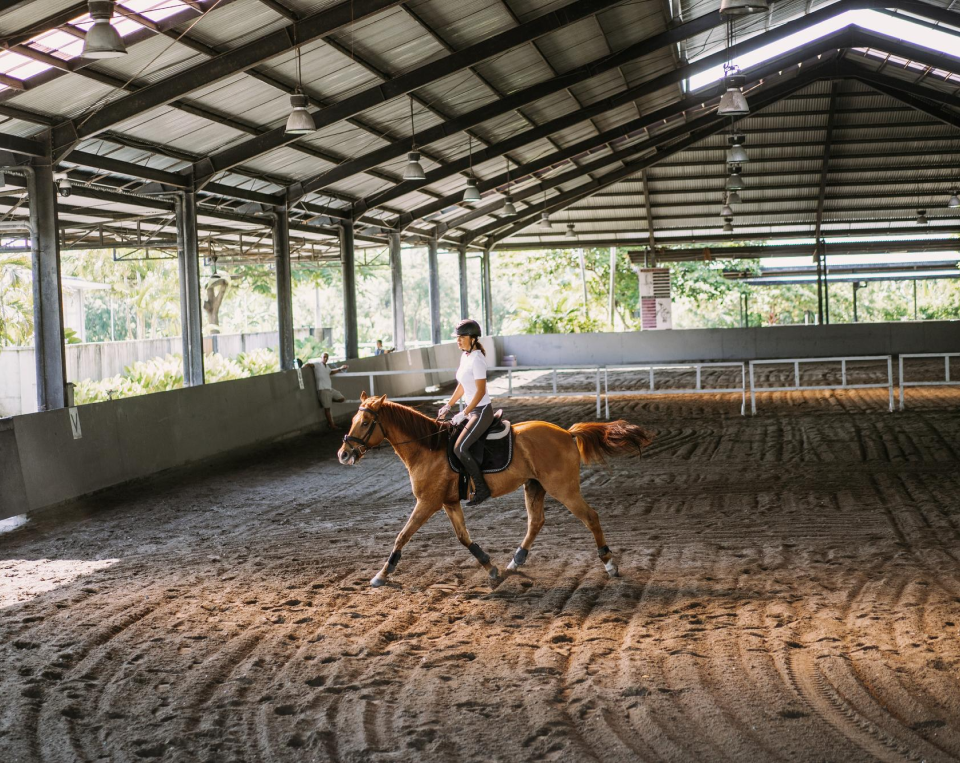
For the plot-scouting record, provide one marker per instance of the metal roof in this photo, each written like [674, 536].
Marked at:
[587, 98]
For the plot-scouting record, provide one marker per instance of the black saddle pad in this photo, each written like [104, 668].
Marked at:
[492, 455]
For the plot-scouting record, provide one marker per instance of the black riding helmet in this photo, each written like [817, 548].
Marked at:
[469, 327]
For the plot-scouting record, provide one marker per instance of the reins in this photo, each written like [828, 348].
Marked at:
[364, 440]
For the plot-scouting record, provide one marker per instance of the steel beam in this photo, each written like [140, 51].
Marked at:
[406, 83]
[227, 64]
[487, 292]
[281, 249]
[433, 289]
[351, 341]
[464, 293]
[188, 267]
[695, 131]
[48, 333]
[396, 287]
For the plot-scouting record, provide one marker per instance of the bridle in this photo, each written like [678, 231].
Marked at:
[364, 440]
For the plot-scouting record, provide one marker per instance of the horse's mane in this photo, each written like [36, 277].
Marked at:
[415, 425]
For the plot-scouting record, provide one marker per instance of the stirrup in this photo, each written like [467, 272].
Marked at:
[479, 496]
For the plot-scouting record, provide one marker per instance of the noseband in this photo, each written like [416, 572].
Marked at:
[364, 441]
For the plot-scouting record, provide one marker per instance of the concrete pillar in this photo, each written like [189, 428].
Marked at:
[396, 285]
[188, 267]
[351, 339]
[48, 335]
[464, 295]
[281, 250]
[487, 294]
[433, 284]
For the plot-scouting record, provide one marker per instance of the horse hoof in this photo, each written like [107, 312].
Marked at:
[494, 576]
[512, 566]
[377, 581]
[612, 570]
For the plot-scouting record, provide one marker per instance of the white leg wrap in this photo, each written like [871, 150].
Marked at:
[612, 570]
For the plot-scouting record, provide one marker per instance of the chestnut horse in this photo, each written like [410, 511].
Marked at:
[546, 459]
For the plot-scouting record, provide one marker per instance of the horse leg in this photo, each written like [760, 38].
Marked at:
[455, 513]
[533, 495]
[572, 498]
[421, 513]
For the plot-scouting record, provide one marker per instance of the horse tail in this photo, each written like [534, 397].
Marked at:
[597, 440]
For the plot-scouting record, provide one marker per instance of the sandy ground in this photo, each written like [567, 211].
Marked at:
[790, 590]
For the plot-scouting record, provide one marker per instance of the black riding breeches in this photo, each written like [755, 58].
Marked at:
[478, 422]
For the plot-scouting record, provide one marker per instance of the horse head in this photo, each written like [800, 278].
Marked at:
[366, 431]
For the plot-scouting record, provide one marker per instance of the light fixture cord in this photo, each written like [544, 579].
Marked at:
[413, 127]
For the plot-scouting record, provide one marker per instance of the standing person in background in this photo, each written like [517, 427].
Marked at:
[326, 394]
[379, 350]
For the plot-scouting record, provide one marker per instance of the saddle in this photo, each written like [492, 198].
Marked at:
[493, 451]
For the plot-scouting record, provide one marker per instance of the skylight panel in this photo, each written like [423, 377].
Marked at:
[897, 27]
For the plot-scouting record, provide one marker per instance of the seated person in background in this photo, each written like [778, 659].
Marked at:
[326, 394]
[379, 350]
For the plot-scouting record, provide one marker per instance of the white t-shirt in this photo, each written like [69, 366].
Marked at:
[322, 373]
[473, 366]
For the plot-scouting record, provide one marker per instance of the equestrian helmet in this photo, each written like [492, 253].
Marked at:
[469, 327]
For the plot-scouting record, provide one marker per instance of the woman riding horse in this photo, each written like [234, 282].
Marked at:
[546, 459]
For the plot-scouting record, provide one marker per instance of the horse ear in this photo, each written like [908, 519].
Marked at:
[363, 396]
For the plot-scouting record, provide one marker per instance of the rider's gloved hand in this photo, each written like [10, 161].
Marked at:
[443, 412]
[459, 418]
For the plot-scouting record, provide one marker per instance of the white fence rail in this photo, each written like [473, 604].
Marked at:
[947, 381]
[698, 389]
[843, 376]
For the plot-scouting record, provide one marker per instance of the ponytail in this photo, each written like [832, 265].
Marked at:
[477, 346]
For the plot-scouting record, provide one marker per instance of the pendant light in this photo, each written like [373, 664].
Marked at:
[734, 181]
[728, 225]
[571, 233]
[736, 154]
[733, 103]
[545, 221]
[726, 211]
[509, 210]
[733, 197]
[922, 217]
[299, 122]
[413, 170]
[471, 193]
[734, 8]
[102, 39]
[954, 201]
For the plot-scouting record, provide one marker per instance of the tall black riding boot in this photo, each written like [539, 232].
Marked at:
[481, 491]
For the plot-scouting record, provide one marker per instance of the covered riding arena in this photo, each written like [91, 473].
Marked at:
[185, 575]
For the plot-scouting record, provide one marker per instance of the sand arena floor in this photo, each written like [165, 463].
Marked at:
[790, 590]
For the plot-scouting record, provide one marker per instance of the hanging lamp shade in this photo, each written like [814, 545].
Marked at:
[299, 122]
[922, 217]
[735, 181]
[733, 102]
[954, 201]
[471, 193]
[737, 155]
[414, 170]
[102, 40]
[545, 221]
[509, 210]
[734, 8]
[726, 211]
[733, 197]
[571, 233]
[728, 225]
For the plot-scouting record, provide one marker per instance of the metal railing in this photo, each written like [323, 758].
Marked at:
[796, 376]
[699, 388]
[947, 382]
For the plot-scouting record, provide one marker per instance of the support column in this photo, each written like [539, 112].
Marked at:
[281, 250]
[351, 340]
[487, 294]
[48, 335]
[464, 293]
[188, 268]
[433, 282]
[826, 282]
[396, 285]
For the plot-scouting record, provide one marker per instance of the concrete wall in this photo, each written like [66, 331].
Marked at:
[733, 344]
[42, 464]
[101, 360]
